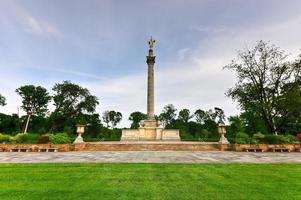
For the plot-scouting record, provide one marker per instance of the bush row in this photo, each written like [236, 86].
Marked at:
[259, 138]
[27, 138]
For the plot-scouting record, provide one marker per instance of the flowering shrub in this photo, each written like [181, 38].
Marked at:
[298, 136]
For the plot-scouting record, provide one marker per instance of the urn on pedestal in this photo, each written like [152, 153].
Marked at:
[80, 129]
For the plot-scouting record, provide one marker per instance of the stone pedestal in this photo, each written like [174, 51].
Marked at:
[78, 140]
[223, 140]
[150, 130]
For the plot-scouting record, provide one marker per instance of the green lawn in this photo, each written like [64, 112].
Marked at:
[150, 181]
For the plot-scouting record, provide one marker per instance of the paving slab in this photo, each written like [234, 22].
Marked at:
[149, 157]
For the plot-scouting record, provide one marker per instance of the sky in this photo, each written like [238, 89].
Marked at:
[102, 45]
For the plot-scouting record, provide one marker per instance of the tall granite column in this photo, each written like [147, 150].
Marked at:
[150, 60]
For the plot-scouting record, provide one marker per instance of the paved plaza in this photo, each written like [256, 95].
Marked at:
[150, 157]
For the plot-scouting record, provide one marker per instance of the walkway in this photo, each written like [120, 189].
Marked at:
[150, 157]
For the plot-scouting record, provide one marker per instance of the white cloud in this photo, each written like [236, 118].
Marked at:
[38, 26]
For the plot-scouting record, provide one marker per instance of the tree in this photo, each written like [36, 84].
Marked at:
[2, 100]
[262, 73]
[71, 101]
[106, 118]
[201, 116]
[219, 114]
[136, 117]
[168, 115]
[112, 117]
[210, 115]
[34, 101]
[184, 115]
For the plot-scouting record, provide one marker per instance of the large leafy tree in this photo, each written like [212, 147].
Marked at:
[211, 115]
[184, 115]
[34, 101]
[136, 117]
[262, 73]
[200, 115]
[112, 118]
[168, 115]
[2, 100]
[71, 101]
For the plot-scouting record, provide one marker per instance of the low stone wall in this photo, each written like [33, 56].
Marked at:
[36, 147]
[147, 147]
[116, 146]
[264, 147]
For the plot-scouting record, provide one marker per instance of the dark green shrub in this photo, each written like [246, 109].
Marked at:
[60, 138]
[25, 138]
[242, 138]
[257, 138]
[272, 139]
[44, 139]
[287, 139]
[4, 138]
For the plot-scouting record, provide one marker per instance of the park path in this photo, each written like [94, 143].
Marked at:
[150, 157]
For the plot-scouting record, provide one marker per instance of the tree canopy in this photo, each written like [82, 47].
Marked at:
[184, 115]
[168, 114]
[136, 117]
[112, 118]
[35, 99]
[71, 99]
[2, 100]
[263, 74]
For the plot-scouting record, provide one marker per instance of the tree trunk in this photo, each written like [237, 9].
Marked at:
[27, 122]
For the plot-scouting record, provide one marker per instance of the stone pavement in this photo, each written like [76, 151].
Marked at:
[150, 157]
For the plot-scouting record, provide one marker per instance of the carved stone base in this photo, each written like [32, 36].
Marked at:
[150, 130]
[78, 140]
[223, 140]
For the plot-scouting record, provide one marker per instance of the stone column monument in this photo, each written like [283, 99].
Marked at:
[150, 60]
[150, 128]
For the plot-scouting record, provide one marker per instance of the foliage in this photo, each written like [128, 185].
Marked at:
[4, 138]
[168, 115]
[262, 76]
[44, 139]
[242, 138]
[236, 125]
[25, 138]
[10, 124]
[60, 138]
[71, 102]
[110, 134]
[34, 99]
[201, 116]
[287, 139]
[136, 118]
[184, 115]
[112, 117]
[2, 100]
[271, 139]
[94, 125]
[71, 99]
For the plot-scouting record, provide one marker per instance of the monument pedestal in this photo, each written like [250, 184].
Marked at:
[150, 130]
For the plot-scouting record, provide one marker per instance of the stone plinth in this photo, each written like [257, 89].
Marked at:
[78, 140]
[150, 130]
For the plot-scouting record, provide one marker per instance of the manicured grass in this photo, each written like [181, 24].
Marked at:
[150, 181]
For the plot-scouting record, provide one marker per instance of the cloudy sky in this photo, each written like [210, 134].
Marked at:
[102, 45]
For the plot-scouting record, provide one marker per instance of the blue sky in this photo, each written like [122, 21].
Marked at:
[102, 45]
